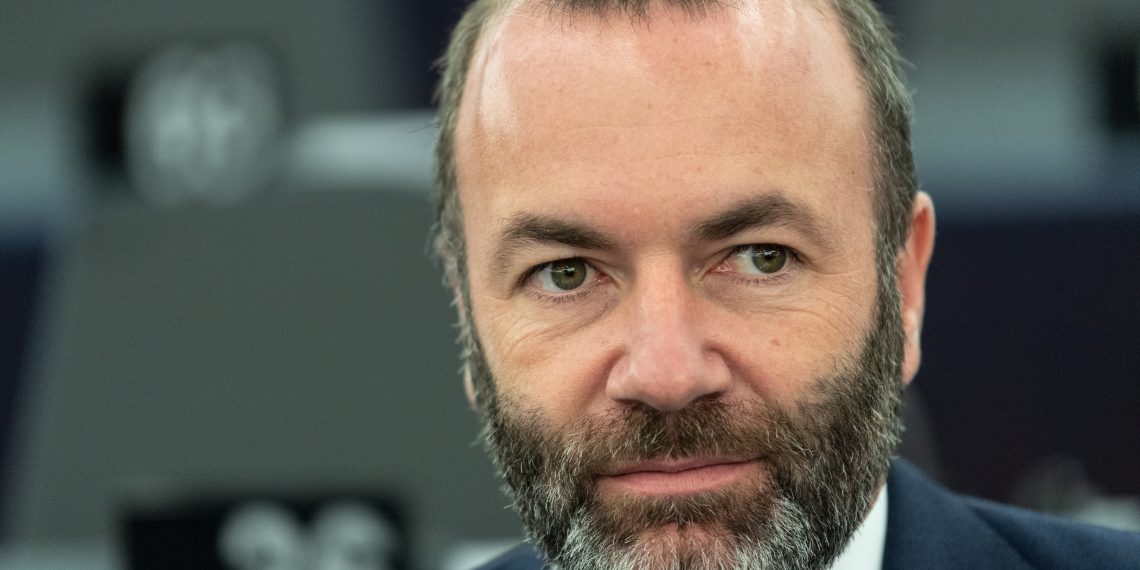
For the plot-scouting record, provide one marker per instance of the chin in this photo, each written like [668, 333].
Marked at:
[687, 546]
[673, 546]
[696, 531]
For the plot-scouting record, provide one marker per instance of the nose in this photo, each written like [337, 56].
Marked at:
[668, 361]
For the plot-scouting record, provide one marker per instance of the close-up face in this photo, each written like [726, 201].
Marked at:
[670, 237]
[635, 158]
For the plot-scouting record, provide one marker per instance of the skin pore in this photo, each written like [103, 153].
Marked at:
[671, 239]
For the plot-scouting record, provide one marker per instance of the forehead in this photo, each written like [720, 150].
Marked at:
[766, 92]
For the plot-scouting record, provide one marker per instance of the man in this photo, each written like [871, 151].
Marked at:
[689, 258]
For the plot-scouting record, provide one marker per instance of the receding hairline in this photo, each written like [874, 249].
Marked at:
[634, 11]
[497, 31]
[637, 7]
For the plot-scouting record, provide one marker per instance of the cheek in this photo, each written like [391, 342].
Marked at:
[559, 367]
[779, 353]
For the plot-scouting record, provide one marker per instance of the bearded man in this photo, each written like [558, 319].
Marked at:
[689, 256]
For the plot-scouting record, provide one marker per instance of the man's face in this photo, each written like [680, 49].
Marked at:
[671, 261]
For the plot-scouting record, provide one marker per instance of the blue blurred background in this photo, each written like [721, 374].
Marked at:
[177, 326]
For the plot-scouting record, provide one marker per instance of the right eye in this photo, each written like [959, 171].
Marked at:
[563, 276]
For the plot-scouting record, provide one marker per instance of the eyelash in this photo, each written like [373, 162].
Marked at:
[795, 260]
[569, 297]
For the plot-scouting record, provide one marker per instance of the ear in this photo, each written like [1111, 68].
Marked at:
[469, 387]
[912, 265]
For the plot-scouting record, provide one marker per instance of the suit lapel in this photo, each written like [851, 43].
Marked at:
[930, 528]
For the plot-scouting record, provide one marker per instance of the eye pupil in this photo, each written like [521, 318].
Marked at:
[768, 258]
[568, 274]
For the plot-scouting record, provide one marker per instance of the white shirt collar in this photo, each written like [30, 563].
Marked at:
[865, 550]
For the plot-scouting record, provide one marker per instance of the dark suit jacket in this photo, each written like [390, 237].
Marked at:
[930, 528]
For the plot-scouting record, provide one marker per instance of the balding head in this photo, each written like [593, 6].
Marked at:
[874, 52]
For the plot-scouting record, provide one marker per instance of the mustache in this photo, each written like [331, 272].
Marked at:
[706, 428]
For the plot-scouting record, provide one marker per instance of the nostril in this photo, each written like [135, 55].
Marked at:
[669, 385]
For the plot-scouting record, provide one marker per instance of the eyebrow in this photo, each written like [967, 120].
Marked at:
[523, 230]
[761, 212]
[526, 230]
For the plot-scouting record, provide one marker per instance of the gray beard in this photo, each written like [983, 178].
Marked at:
[824, 459]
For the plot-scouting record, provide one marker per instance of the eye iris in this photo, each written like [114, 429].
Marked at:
[769, 259]
[568, 274]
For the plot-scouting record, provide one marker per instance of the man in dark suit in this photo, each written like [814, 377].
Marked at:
[930, 528]
[689, 256]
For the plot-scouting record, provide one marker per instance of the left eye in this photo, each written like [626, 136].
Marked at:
[760, 259]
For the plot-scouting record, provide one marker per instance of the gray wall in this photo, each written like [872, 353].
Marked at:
[298, 343]
[1009, 108]
[335, 56]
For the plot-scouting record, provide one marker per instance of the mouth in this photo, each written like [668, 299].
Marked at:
[666, 477]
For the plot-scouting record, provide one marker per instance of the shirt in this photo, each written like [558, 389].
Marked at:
[865, 550]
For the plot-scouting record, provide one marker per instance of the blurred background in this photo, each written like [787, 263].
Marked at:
[221, 339]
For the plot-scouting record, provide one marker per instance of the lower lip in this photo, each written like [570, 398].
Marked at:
[689, 481]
